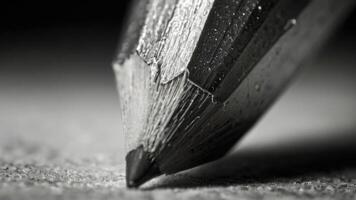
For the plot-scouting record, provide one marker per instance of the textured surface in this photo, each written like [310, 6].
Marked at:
[28, 172]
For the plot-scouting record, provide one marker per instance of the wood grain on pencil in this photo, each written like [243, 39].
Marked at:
[194, 76]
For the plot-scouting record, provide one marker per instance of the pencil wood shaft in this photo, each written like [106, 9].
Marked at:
[194, 76]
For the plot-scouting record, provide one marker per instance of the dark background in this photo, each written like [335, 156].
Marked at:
[57, 87]
[87, 29]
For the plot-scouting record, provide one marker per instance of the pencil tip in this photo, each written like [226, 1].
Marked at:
[139, 168]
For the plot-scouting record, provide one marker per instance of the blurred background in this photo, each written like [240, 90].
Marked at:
[57, 88]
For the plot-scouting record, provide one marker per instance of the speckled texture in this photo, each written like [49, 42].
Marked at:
[32, 172]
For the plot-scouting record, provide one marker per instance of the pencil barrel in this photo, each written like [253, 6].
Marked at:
[195, 76]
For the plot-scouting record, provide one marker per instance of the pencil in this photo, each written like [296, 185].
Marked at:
[194, 76]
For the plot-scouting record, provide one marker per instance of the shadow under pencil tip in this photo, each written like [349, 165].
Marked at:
[286, 161]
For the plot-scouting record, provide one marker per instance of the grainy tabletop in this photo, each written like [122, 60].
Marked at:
[32, 172]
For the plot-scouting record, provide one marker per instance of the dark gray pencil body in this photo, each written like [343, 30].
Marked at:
[194, 76]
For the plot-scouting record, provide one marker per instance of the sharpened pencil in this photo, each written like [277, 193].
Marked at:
[194, 76]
